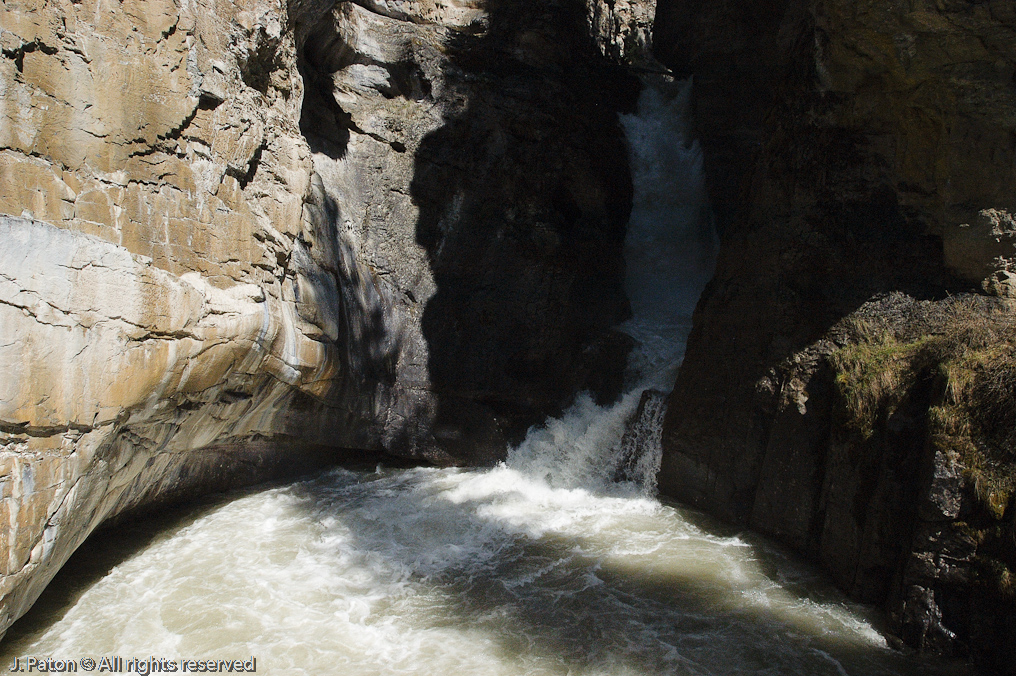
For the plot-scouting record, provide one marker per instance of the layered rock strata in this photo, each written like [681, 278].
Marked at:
[853, 150]
[242, 233]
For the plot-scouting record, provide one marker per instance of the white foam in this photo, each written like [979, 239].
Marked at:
[482, 572]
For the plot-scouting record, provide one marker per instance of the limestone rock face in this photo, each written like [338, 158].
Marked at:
[623, 30]
[852, 150]
[241, 235]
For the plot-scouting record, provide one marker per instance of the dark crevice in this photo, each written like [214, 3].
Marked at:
[174, 134]
[256, 70]
[42, 430]
[18, 53]
[509, 219]
[234, 396]
[245, 177]
[409, 80]
[323, 122]
[208, 102]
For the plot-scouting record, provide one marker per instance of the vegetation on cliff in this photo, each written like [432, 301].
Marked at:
[964, 349]
[957, 356]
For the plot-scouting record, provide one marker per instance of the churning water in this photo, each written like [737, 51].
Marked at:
[436, 572]
[543, 565]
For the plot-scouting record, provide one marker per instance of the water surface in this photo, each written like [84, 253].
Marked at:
[436, 571]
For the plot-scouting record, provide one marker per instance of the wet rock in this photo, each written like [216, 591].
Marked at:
[639, 455]
[922, 622]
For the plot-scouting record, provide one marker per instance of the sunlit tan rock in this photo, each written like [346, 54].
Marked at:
[237, 233]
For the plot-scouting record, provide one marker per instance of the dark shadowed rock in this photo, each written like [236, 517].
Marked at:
[851, 152]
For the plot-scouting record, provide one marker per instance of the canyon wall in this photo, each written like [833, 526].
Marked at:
[861, 158]
[243, 237]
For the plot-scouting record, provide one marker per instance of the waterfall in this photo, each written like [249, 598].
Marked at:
[670, 251]
[671, 245]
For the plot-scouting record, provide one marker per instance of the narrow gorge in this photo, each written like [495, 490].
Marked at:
[479, 287]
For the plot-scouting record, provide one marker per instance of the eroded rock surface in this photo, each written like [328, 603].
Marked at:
[482, 173]
[241, 235]
[623, 30]
[852, 150]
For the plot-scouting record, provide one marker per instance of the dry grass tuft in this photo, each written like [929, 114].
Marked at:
[874, 377]
[965, 348]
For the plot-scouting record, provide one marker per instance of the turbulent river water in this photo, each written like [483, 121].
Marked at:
[543, 565]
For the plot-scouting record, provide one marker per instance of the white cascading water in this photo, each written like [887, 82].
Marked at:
[670, 250]
[543, 565]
